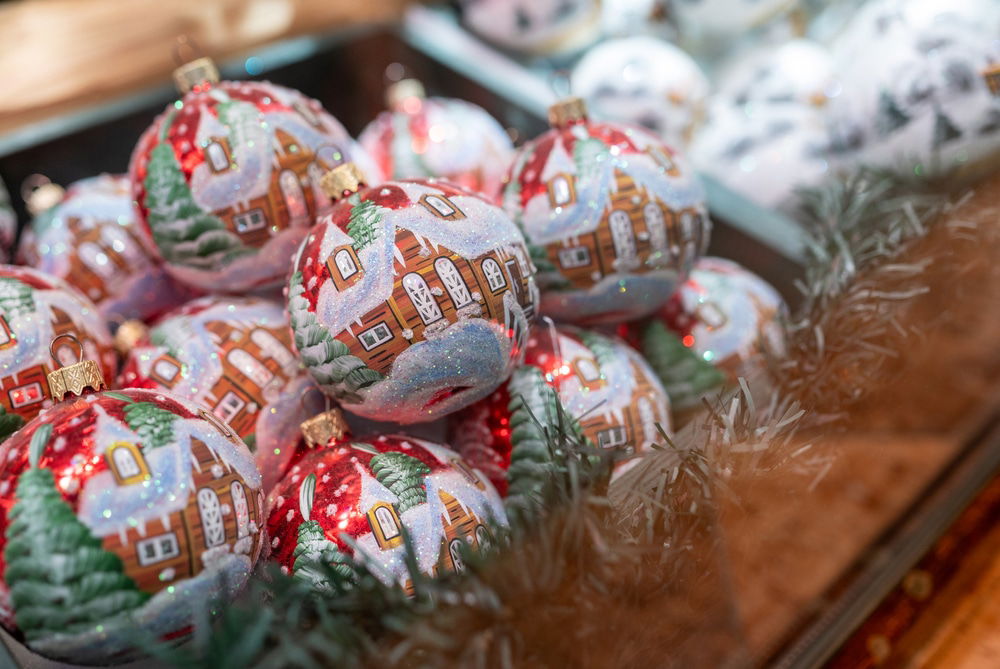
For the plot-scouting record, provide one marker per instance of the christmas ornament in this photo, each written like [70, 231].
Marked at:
[799, 70]
[233, 356]
[539, 27]
[917, 93]
[686, 375]
[629, 17]
[227, 179]
[764, 151]
[34, 309]
[725, 314]
[8, 224]
[410, 299]
[725, 19]
[438, 137]
[122, 514]
[643, 81]
[91, 239]
[370, 490]
[601, 382]
[613, 217]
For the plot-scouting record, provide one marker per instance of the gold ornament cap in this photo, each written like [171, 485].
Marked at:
[195, 73]
[342, 180]
[128, 334]
[992, 77]
[403, 90]
[40, 194]
[567, 111]
[320, 429]
[81, 375]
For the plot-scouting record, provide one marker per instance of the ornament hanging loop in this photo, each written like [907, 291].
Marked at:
[75, 378]
[193, 70]
[324, 427]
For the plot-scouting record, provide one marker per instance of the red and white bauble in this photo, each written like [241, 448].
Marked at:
[35, 308]
[227, 181]
[614, 216]
[8, 225]
[411, 299]
[93, 240]
[235, 357]
[122, 515]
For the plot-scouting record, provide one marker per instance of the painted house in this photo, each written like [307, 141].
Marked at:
[221, 509]
[104, 253]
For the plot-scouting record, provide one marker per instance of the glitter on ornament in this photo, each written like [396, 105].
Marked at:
[93, 240]
[232, 355]
[227, 180]
[364, 312]
[142, 543]
[572, 190]
[543, 27]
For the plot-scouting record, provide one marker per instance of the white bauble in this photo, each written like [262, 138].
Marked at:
[726, 17]
[540, 27]
[797, 71]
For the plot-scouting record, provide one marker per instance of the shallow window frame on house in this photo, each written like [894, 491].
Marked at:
[165, 547]
[658, 237]
[417, 289]
[454, 282]
[241, 508]
[138, 460]
[491, 275]
[618, 442]
[622, 237]
[217, 162]
[375, 523]
[379, 340]
[354, 268]
[249, 215]
[160, 377]
[570, 258]
[23, 389]
[250, 367]
[483, 537]
[229, 393]
[452, 213]
[272, 347]
[455, 552]
[552, 185]
[214, 533]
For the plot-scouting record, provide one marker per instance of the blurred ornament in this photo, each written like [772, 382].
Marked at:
[917, 93]
[122, 515]
[601, 382]
[438, 137]
[90, 238]
[613, 217]
[8, 225]
[629, 17]
[227, 179]
[764, 151]
[685, 374]
[539, 27]
[411, 299]
[699, 20]
[371, 490]
[34, 309]
[798, 71]
[643, 81]
[234, 356]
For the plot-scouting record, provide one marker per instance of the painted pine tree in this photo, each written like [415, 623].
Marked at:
[602, 348]
[403, 475]
[365, 223]
[890, 117]
[16, 298]
[313, 550]
[944, 130]
[685, 375]
[328, 359]
[62, 581]
[9, 423]
[589, 155]
[155, 426]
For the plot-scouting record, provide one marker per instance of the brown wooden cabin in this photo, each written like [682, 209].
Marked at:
[89, 275]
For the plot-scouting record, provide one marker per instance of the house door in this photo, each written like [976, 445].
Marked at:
[295, 198]
[241, 508]
[621, 234]
[453, 282]
[212, 522]
[653, 216]
[420, 295]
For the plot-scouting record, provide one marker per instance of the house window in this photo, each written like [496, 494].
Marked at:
[440, 205]
[587, 370]
[653, 216]
[315, 173]
[250, 367]
[453, 282]
[622, 234]
[345, 263]
[376, 336]
[561, 191]
[218, 158]
[711, 315]
[272, 347]
[385, 525]
[306, 112]
[613, 437]
[241, 508]
[295, 198]
[455, 550]
[494, 275]
[24, 395]
[157, 549]
[7, 338]
[249, 221]
[96, 260]
[483, 538]
[165, 371]
[229, 407]
[127, 463]
[422, 299]
[577, 256]
[212, 523]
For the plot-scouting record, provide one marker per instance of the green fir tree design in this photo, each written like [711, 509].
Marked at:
[328, 359]
[589, 155]
[155, 426]
[9, 423]
[403, 475]
[365, 223]
[685, 375]
[316, 558]
[890, 117]
[62, 581]
[602, 348]
[16, 298]
[944, 130]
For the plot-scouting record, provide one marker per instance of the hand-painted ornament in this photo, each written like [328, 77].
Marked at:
[601, 382]
[8, 225]
[800, 71]
[764, 151]
[725, 19]
[371, 490]
[122, 514]
[921, 86]
[613, 217]
[35, 308]
[235, 357]
[410, 299]
[438, 137]
[92, 240]
[727, 315]
[643, 81]
[227, 179]
[539, 27]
